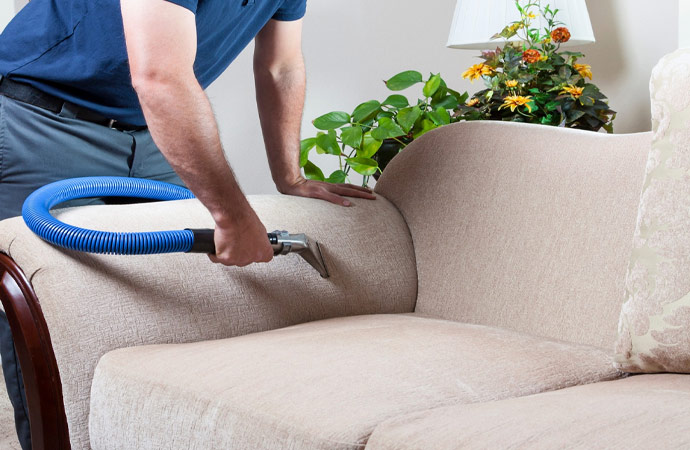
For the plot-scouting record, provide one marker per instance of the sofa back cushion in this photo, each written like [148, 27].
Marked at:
[521, 226]
[97, 303]
[655, 321]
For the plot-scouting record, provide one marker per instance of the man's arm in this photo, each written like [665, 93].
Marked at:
[161, 44]
[280, 86]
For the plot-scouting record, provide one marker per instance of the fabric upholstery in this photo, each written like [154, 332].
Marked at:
[640, 412]
[522, 227]
[97, 303]
[655, 321]
[321, 385]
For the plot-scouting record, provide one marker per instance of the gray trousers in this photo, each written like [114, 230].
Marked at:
[38, 147]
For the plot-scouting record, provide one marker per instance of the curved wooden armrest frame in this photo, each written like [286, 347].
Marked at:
[36, 358]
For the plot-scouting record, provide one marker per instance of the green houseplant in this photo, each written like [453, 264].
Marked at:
[530, 81]
[366, 139]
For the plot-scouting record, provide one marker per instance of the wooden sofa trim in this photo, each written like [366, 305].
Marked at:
[36, 358]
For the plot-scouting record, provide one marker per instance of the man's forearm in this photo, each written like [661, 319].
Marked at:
[280, 98]
[182, 124]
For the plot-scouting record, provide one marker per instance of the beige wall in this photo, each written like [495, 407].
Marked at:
[632, 35]
[351, 45]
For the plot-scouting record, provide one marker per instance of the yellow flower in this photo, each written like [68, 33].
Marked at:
[547, 40]
[574, 91]
[585, 70]
[477, 71]
[511, 83]
[531, 15]
[513, 101]
[472, 102]
[544, 57]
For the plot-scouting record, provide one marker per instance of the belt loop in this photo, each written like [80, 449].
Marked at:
[69, 111]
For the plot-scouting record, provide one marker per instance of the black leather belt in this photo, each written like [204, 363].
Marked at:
[29, 94]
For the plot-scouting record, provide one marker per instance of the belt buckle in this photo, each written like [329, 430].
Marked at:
[111, 123]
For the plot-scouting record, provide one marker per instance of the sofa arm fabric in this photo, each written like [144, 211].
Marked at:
[97, 303]
[521, 226]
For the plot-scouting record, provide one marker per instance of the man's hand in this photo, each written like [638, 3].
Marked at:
[242, 242]
[334, 193]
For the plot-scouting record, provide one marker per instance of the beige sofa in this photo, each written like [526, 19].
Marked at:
[474, 304]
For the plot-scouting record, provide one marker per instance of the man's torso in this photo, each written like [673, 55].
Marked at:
[76, 49]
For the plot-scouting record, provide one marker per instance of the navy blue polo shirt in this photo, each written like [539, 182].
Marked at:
[76, 50]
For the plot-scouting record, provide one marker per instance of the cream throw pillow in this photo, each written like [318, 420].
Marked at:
[654, 328]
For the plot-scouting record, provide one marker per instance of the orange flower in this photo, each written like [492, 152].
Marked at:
[472, 102]
[560, 35]
[511, 83]
[531, 56]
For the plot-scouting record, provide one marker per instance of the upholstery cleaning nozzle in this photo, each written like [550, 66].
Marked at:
[281, 241]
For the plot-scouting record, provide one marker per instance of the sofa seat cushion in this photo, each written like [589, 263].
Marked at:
[646, 411]
[319, 385]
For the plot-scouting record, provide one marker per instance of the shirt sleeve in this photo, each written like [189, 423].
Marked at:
[189, 4]
[291, 10]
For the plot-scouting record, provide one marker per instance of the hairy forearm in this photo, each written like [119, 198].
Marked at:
[280, 97]
[182, 125]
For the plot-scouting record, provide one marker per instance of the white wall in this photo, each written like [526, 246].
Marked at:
[684, 24]
[351, 45]
[6, 12]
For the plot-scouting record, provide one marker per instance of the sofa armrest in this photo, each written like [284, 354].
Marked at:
[538, 224]
[93, 304]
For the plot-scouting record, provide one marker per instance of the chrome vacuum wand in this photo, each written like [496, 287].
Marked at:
[281, 241]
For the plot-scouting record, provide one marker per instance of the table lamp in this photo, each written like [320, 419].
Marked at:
[475, 21]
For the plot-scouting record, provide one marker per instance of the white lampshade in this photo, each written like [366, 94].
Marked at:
[475, 21]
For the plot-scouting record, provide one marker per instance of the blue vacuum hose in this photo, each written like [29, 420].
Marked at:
[36, 212]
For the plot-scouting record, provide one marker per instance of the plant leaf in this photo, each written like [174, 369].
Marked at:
[312, 172]
[337, 177]
[328, 143]
[396, 101]
[387, 129]
[440, 116]
[363, 166]
[369, 146]
[366, 110]
[407, 117]
[332, 120]
[448, 102]
[352, 136]
[404, 80]
[305, 147]
[432, 85]
[427, 125]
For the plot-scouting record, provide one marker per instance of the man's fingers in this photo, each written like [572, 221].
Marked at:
[354, 186]
[214, 259]
[350, 192]
[333, 198]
